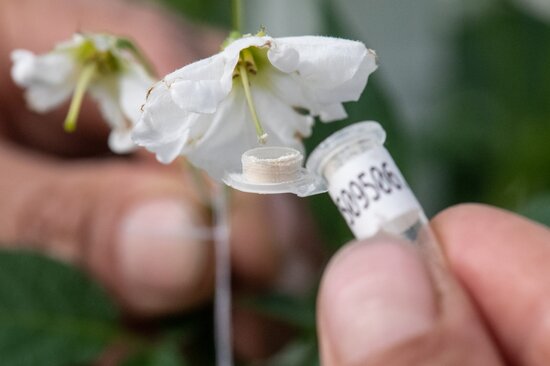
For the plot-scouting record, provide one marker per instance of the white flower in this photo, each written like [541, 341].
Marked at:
[109, 68]
[203, 111]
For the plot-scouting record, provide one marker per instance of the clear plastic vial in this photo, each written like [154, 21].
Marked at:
[365, 183]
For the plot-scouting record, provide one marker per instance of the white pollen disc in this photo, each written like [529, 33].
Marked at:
[275, 169]
[271, 164]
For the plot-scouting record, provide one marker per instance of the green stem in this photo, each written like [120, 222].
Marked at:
[237, 15]
[262, 136]
[82, 84]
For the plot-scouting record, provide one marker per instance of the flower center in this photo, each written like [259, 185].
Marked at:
[95, 62]
[247, 65]
[105, 61]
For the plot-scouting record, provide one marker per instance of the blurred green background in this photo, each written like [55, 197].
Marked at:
[463, 90]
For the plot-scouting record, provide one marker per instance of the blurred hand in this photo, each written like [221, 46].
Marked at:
[131, 222]
[382, 303]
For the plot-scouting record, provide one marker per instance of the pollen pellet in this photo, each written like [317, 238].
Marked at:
[271, 164]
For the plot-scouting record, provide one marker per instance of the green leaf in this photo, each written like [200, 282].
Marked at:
[165, 354]
[50, 313]
[216, 12]
[297, 312]
[538, 208]
[298, 353]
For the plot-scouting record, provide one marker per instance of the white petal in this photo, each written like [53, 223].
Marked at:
[332, 112]
[162, 120]
[331, 69]
[231, 133]
[166, 129]
[51, 68]
[232, 51]
[133, 87]
[280, 120]
[43, 98]
[283, 57]
[351, 89]
[200, 86]
[24, 66]
[288, 88]
[120, 141]
[76, 40]
[102, 42]
[168, 152]
[106, 93]
[48, 78]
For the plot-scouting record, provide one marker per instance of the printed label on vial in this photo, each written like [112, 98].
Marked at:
[372, 195]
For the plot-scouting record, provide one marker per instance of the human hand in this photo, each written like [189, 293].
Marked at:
[128, 220]
[382, 303]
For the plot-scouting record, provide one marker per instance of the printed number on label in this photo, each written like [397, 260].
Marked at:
[367, 187]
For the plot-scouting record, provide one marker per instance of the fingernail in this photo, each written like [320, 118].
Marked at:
[373, 297]
[161, 258]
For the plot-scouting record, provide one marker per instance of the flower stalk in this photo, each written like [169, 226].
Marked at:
[86, 76]
[236, 15]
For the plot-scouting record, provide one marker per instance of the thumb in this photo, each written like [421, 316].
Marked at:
[380, 303]
[131, 224]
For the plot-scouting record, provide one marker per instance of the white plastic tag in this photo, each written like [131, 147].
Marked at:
[372, 195]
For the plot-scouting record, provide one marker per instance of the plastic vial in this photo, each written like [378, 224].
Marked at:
[365, 184]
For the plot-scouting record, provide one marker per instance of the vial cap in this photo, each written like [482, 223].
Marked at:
[275, 169]
[362, 134]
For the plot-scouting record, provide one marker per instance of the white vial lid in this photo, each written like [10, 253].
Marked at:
[275, 169]
[343, 145]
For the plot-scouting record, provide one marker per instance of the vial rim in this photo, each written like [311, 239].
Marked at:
[335, 143]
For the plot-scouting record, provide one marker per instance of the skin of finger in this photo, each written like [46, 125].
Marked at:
[274, 247]
[266, 231]
[256, 336]
[502, 260]
[456, 338]
[169, 42]
[72, 211]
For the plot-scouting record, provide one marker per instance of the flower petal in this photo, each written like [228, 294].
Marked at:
[43, 98]
[48, 78]
[332, 112]
[168, 152]
[162, 120]
[283, 57]
[272, 111]
[106, 93]
[120, 141]
[231, 132]
[133, 86]
[165, 129]
[331, 69]
[199, 87]
[52, 68]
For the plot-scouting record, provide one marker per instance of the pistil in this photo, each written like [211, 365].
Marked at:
[84, 79]
[247, 65]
